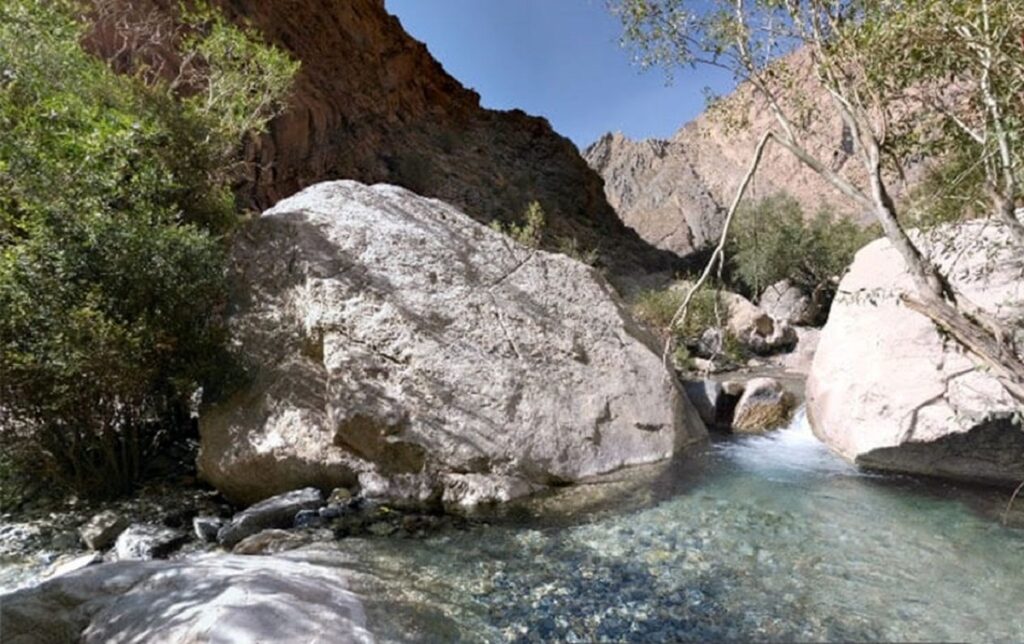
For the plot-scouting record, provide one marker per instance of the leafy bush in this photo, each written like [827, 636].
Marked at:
[707, 310]
[530, 233]
[114, 192]
[952, 191]
[533, 232]
[771, 240]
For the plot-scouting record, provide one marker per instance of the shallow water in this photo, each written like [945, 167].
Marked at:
[768, 538]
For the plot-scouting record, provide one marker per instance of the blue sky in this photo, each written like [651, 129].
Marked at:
[556, 58]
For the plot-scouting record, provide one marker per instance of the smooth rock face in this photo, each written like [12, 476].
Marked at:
[102, 529]
[222, 599]
[785, 301]
[887, 391]
[764, 405]
[72, 563]
[396, 336]
[276, 512]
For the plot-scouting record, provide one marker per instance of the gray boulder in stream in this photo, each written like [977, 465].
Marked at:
[889, 392]
[394, 337]
[214, 599]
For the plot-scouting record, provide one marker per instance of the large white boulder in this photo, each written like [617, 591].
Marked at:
[888, 391]
[218, 599]
[392, 336]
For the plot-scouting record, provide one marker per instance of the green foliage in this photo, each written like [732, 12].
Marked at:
[952, 191]
[533, 233]
[922, 49]
[707, 310]
[114, 190]
[571, 246]
[530, 233]
[771, 241]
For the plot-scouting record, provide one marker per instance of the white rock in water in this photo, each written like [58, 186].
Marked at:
[887, 391]
[146, 541]
[102, 529]
[217, 599]
[394, 335]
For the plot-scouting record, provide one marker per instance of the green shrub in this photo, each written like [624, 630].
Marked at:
[571, 246]
[530, 233]
[771, 240]
[707, 310]
[952, 191]
[114, 192]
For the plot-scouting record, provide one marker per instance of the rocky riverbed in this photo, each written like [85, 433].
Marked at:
[766, 537]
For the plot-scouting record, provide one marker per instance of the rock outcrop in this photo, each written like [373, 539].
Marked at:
[371, 104]
[764, 405]
[887, 391]
[658, 192]
[400, 345]
[216, 599]
[673, 192]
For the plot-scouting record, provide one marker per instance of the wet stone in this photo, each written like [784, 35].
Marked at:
[206, 528]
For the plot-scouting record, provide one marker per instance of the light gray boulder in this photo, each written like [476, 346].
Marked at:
[888, 391]
[787, 302]
[217, 599]
[393, 335]
[764, 405]
[146, 541]
[276, 512]
[756, 329]
[715, 404]
[102, 529]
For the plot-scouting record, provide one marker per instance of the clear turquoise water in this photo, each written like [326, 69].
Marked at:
[766, 538]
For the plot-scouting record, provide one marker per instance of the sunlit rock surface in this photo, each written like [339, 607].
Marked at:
[392, 335]
[887, 391]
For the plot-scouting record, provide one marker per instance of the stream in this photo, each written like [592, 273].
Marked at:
[767, 538]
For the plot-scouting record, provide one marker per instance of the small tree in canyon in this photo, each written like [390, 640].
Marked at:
[874, 60]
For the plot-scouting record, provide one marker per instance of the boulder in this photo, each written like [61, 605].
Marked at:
[764, 405]
[214, 599]
[102, 529]
[67, 564]
[395, 336]
[787, 302]
[146, 541]
[889, 392]
[206, 528]
[269, 542]
[276, 512]
[755, 329]
[713, 401]
[799, 360]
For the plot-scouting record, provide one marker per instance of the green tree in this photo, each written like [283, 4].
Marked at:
[866, 55]
[115, 191]
[772, 240]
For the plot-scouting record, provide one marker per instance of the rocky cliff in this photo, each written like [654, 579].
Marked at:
[371, 104]
[674, 193]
